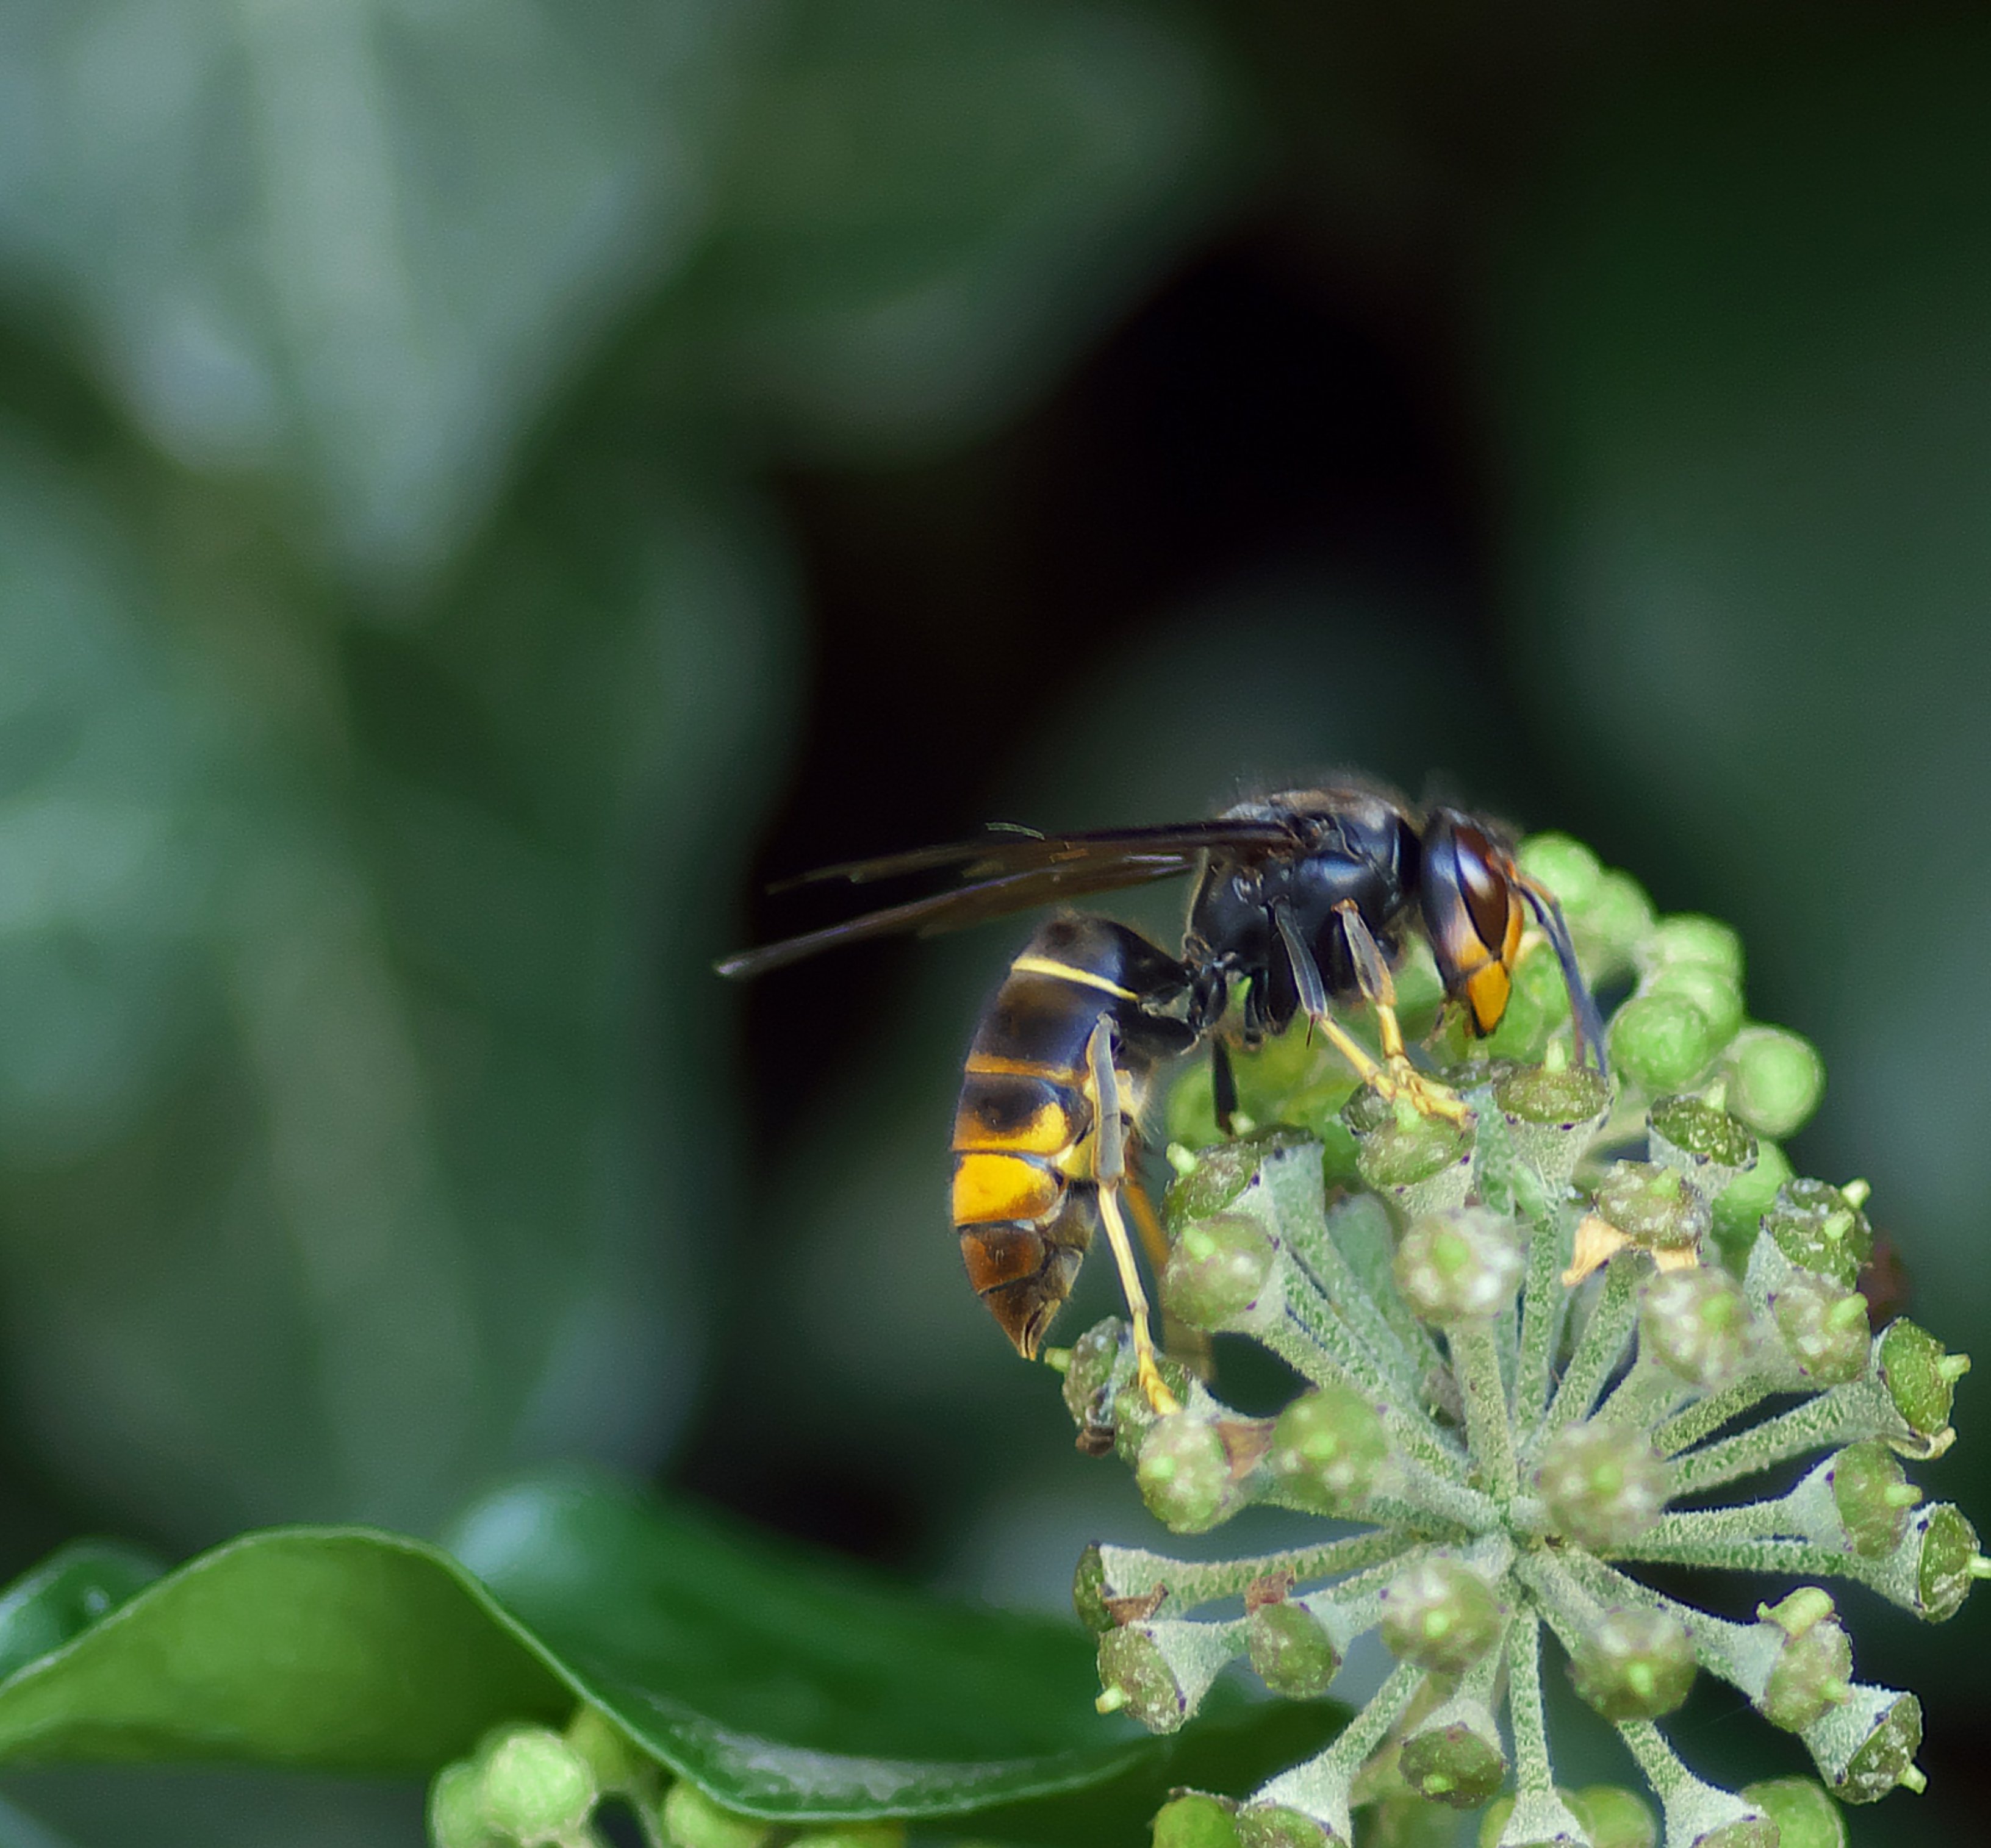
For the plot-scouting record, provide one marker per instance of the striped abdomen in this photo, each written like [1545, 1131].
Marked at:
[1025, 1202]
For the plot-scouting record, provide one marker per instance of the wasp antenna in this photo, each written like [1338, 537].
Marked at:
[1589, 1024]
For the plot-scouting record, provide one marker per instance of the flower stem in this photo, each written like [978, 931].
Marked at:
[1475, 1363]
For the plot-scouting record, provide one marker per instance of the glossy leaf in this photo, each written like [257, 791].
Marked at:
[330, 1146]
[359, 241]
[786, 1686]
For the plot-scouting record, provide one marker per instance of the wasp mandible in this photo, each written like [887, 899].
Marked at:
[1304, 900]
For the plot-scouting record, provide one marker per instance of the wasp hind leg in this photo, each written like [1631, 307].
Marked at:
[1109, 1165]
[1180, 1341]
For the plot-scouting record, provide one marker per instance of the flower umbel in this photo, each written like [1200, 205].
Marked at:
[1534, 1350]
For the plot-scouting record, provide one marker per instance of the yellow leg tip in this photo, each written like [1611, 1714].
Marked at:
[1164, 1403]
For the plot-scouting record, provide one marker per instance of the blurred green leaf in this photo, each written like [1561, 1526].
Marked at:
[69, 1590]
[927, 210]
[358, 242]
[329, 1100]
[786, 1686]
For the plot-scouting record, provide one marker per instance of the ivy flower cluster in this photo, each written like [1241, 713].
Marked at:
[1539, 1352]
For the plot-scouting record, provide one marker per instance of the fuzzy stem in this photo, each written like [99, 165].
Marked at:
[1311, 1243]
[1706, 1416]
[1644, 1396]
[1543, 1301]
[1667, 1775]
[1533, 1775]
[1785, 1558]
[1845, 1414]
[1736, 1652]
[1597, 1348]
[1475, 1363]
[1190, 1585]
[1314, 1341]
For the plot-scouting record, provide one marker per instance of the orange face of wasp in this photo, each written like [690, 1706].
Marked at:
[1472, 915]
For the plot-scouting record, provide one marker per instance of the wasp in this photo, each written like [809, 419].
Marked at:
[1303, 902]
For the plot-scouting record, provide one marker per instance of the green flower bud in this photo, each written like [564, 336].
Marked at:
[1657, 1209]
[1196, 1821]
[888, 1833]
[1685, 939]
[1455, 1757]
[1219, 1268]
[1921, 1377]
[1274, 1826]
[1613, 1817]
[1634, 1665]
[614, 1760]
[1696, 1324]
[1813, 1675]
[1948, 1565]
[1775, 1080]
[1222, 1172]
[1327, 1446]
[1739, 1207]
[1101, 1362]
[691, 1819]
[1398, 1819]
[1552, 1116]
[1440, 1614]
[1289, 1651]
[1159, 1671]
[1461, 1266]
[1806, 1817]
[1866, 1746]
[1602, 1485]
[532, 1784]
[1089, 1593]
[1662, 1043]
[1823, 1328]
[1717, 995]
[1565, 865]
[1705, 1145]
[1813, 1670]
[1184, 1474]
[1819, 1229]
[456, 1809]
[1422, 1162]
[1610, 1817]
[1873, 1496]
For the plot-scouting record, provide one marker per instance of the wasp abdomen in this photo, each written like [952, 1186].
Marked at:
[1024, 1201]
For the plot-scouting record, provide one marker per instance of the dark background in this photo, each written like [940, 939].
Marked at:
[482, 494]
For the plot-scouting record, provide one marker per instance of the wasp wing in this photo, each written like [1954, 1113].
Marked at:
[970, 904]
[1007, 849]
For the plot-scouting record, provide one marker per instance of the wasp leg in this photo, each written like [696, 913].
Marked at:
[1180, 1341]
[1224, 1086]
[1109, 1171]
[1379, 988]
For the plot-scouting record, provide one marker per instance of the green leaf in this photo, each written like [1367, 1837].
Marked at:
[357, 242]
[786, 1686]
[354, 1145]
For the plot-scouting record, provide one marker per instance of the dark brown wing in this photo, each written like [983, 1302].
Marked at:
[1012, 870]
[969, 904]
[1021, 850]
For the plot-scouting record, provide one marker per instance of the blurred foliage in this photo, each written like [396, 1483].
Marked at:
[403, 640]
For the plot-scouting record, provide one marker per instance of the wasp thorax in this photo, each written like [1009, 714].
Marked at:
[1602, 1485]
